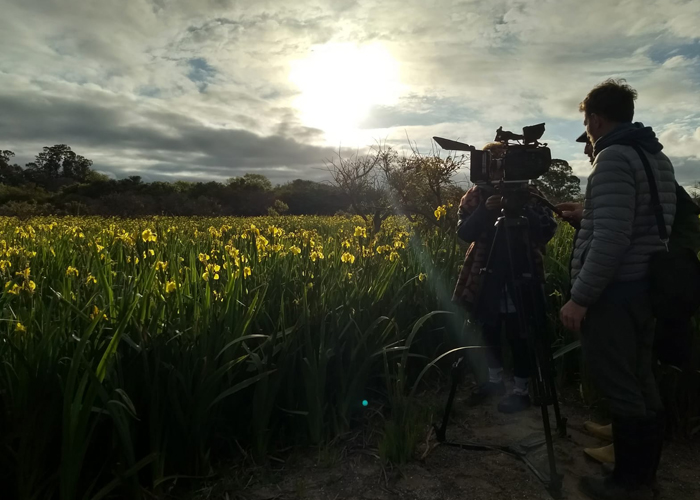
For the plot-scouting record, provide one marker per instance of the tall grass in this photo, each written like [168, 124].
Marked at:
[134, 351]
[137, 352]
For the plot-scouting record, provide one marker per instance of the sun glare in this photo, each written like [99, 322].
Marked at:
[340, 82]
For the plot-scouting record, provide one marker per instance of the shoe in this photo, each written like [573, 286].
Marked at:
[485, 391]
[637, 449]
[514, 403]
[607, 488]
[599, 431]
[608, 469]
[604, 455]
[636, 458]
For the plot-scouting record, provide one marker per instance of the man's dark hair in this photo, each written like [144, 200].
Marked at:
[612, 99]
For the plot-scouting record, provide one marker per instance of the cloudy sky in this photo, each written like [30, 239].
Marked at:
[210, 89]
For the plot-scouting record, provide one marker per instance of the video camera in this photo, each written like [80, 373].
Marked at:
[526, 159]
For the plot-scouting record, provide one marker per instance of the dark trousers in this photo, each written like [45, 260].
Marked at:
[617, 339]
[518, 345]
[673, 341]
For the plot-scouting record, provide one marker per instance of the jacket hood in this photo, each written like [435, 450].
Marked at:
[630, 134]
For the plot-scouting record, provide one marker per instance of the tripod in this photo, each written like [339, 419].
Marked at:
[527, 295]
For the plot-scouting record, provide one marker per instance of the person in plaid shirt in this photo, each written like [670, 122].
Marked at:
[492, 307]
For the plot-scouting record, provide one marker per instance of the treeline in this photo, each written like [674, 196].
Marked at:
[63, 183]
[374, 185]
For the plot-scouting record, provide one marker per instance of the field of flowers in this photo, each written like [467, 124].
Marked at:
[136, 352]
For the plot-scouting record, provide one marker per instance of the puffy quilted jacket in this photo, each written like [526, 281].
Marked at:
[618, 231]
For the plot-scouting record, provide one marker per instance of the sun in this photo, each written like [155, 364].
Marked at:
[339, 83]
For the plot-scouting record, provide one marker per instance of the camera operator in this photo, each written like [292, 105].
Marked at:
[492, 306]
[610, 297]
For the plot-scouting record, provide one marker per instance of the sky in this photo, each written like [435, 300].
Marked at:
[212, 89]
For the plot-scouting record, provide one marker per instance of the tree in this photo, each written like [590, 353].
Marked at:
[5, 157]
[559, 184]
[359, 178]
[10, 175]
[250, 182]
[309, 197]
[384, 182]
[420, 183]
[695, 192]
[60, 161]
[280, 207]
[94, 176]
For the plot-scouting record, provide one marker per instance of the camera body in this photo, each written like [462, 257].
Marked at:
[520, 163]
[512, 158]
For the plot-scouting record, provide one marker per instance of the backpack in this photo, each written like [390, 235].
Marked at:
[674, 272]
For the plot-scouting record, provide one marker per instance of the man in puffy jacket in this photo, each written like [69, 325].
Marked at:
[610, 302]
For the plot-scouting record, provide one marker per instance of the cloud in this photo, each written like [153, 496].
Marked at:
[200, 87]
[681, 141]
[682, 144]
[154, 141]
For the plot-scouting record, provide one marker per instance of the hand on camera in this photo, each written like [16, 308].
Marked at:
[494, 202]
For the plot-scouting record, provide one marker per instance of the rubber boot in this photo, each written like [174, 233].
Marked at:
[636, 448]
[604, 455]
[660, 428]
[598, 430]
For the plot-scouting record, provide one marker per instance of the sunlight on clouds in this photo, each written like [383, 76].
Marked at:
[340, 82]
[122, 80]
[681, 140]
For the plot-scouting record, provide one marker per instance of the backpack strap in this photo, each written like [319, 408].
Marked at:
[655, 202]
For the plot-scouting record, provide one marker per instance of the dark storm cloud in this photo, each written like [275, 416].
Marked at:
[170, 141]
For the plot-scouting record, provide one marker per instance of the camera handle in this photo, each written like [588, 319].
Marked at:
[553, 208]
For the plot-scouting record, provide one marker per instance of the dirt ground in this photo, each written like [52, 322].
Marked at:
[440, 472]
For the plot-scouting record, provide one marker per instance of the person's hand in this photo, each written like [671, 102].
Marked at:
[494, 202]
[571, 212]
[570, 206]
[572, 315]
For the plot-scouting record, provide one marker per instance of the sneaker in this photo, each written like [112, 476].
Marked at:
[514, 403]
[485, 391]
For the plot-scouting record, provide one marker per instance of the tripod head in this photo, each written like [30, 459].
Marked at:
[516, 195]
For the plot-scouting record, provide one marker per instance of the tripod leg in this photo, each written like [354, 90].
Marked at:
[561, 421]
[550, 388]
[456, 374]
[530, 306]
[554, 477]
